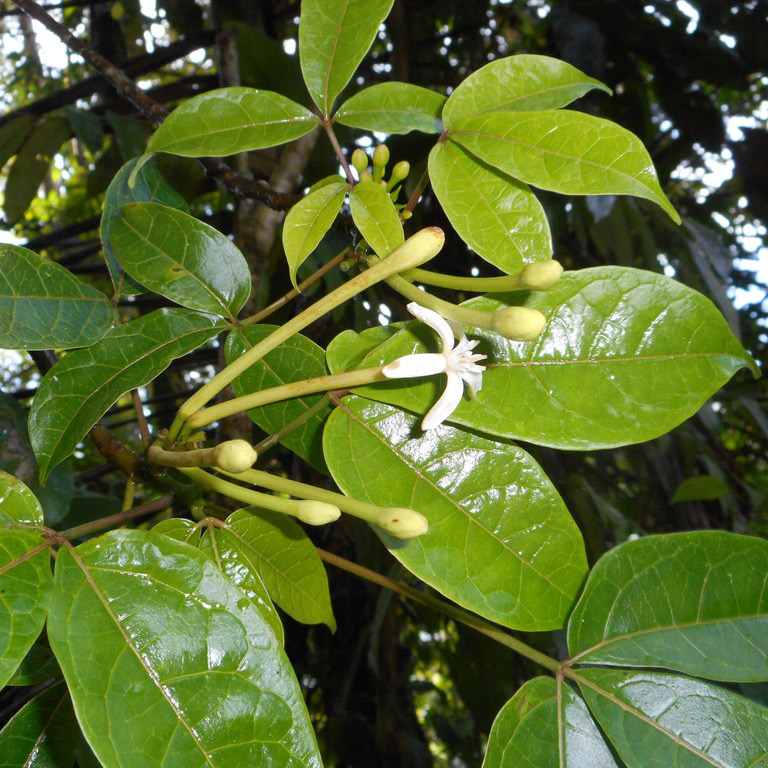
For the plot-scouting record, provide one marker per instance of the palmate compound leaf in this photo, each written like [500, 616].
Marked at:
[546, 725]
[279, 552]
[333, 39]
[43, 734]
[25, 592]
[657, 720]
[564, 151]
[18, 505]
[188, 672]
[230, 120]
[626, 355]
[309, 220]
[496, 215]
[44, 306]
[519, 83]
[181, 258]
[500, 540]
[80, 388]
[393, 108]
[149, 186]
[693, 602]
[375, 216]
[296, 359]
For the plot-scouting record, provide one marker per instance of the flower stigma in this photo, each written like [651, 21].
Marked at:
[457, 362]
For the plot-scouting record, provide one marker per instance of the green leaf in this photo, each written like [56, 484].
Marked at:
[541, 726]
[179, 257]
[149, 186]
[86, 126]
[294, 360]
[519, 83]
[497, 216]
[31, 164]
[230, 120]
[18, 505]
[43, 734]
[375, 216]
[703, 487]
[333, 39]
[626, 356]
[180, 529]
[129, 133]
[285, 559]
[656, 720]
[235, 560]
[393, 108]
[80, 388]
[309, 220]
[44, 306]
[12, 136]
[692, 602]
[500, 541]
[347, 349]
[564, 151]
[188, 673]
[38, 666]
[25, 587]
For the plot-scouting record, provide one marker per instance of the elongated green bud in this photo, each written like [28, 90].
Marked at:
[360, 161]
[402, 523]
[518, 323]
[541, 275]
[234, 456]
[399, 172]
[316, 512]
[380, 156]
[416, 250]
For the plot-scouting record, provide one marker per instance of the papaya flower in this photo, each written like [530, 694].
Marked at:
[457, 362]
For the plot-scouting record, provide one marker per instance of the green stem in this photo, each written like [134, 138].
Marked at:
[339, 153]
[276, 437]
[370, 512]
[285, 392]
[415, 251]
[446, 609]
[500, 284]
[200, 457]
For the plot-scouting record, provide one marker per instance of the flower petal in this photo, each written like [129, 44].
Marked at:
[411, 366]
[446, 405]
[474, 380]
[435, 322]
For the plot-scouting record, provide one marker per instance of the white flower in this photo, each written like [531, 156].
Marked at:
[457, 362]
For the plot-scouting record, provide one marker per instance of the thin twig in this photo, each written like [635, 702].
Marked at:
[418, 192]
[117, 519]
[337, 149]
[146, 437]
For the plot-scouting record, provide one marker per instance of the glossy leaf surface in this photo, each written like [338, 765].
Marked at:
[230, 120]
[44, 306]
[79, 389]
[32, 161]
[25, 592]
[149, 186]
[296, 359]
[180, 529]
[43, 734]
[38, 666]
[347, 349]
[519, 83]
[564, 151]
[657, 720]
[181, 258]
[500, 540]
[309, 220]
[626, 356]
[393, 108]
[496, 215]
[536, 727]
[694, 602]
[18, 505]
[285, 559]
[333, 39]
[234, 560]
[375, 216]
[181, 646]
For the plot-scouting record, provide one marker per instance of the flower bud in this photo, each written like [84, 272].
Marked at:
[234, 456]
[380, 156]
[316, 512]
[366, 176]
[403, 523]
[401, 170]
[541, 275]
[416, 250]
[360, 161]
[518, 323]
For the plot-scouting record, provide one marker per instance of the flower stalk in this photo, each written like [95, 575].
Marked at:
[535, 277]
